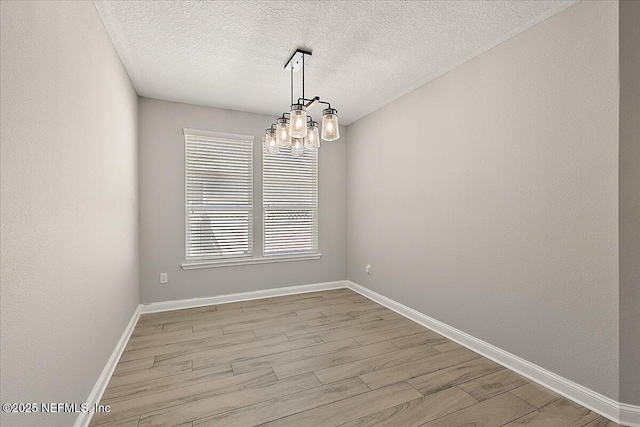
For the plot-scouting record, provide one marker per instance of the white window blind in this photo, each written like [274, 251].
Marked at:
[219, 195]
[290, 203]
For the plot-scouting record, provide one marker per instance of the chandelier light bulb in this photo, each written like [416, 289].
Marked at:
[330, 128]
[269, 140]
[282, 133]
[297, 147]
[298, 121]
[312, 141]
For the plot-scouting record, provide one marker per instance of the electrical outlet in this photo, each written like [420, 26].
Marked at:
[368, 269]
[164, 278]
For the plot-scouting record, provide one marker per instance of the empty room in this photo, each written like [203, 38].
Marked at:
[320, 213]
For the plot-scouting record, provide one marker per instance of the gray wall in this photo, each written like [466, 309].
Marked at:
[162, 223]
[69, 255]
[487, 199]
[630, 202]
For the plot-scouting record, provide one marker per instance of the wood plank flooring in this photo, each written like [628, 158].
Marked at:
[331, 358]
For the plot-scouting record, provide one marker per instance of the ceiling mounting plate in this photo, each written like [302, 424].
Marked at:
[296, 59]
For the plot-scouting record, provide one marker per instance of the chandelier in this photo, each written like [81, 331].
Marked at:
[297, 129]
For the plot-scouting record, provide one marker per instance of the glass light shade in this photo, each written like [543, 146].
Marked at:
[330, 129]
[297, 147]
[312, 141]
[269, 141]
[282, 133]
[298, 121]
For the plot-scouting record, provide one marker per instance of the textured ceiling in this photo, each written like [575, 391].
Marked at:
[231, 54]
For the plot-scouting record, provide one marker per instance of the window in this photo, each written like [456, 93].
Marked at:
[219, 195]
[290, 203]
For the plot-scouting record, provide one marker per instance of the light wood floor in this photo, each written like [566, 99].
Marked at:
[331, 358]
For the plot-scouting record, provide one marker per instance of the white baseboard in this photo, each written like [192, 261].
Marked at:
[620, 413]
[629, 415]
[242, 296]
[84, 418]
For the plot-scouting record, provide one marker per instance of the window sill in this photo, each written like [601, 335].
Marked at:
[195, 265]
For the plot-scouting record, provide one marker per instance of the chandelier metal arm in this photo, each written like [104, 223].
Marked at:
[312, 102]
